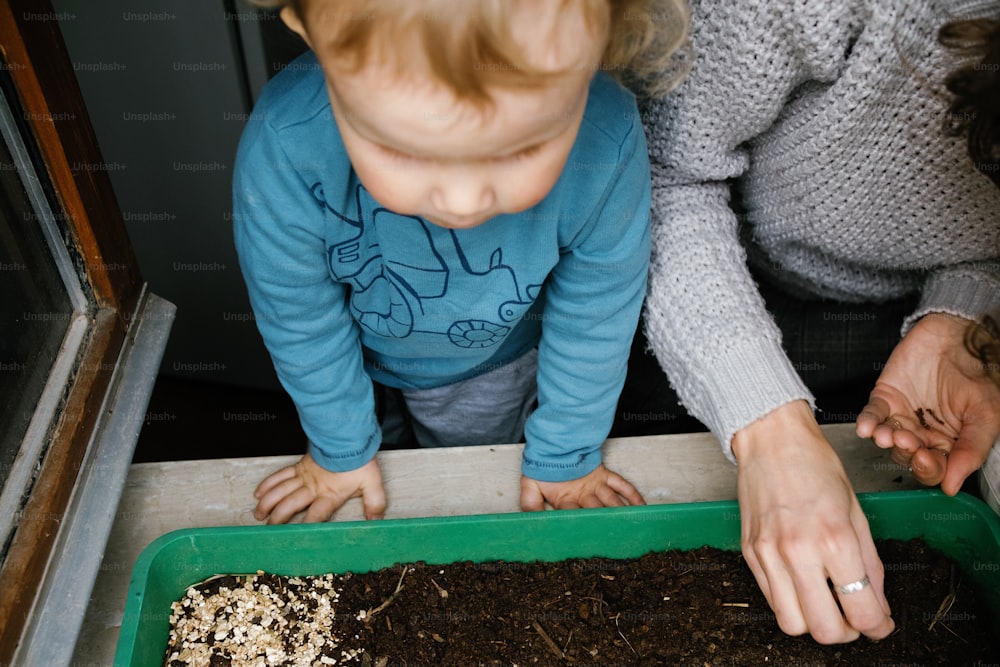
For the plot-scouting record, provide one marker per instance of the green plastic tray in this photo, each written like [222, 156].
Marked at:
[962, 527]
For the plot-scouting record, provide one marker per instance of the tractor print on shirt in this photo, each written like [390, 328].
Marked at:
[396, 299]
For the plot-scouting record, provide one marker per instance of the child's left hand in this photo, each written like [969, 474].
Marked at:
[601, 488]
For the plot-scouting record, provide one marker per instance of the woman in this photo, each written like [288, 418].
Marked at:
[808, 208]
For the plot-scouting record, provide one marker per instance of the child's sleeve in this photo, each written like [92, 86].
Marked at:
[592, 301]
[300, 311]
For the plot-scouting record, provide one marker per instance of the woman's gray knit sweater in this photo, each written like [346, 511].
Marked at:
[827, 115]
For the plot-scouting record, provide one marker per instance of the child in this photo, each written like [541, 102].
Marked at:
[445, 198]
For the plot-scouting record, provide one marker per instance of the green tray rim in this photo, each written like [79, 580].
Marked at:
[871, 503]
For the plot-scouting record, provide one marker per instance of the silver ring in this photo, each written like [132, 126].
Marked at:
[854, 586]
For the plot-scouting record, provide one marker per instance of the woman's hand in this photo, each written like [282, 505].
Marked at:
[933, 405]
[802, 525]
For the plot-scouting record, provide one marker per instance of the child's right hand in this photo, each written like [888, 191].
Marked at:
[307, 486]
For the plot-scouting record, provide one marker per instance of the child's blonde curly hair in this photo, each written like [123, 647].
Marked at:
[469, 45]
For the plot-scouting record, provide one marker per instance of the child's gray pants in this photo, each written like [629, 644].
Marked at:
[488, 409]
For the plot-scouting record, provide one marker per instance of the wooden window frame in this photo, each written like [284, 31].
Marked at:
[40, 68]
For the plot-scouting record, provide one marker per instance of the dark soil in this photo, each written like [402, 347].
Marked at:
[699, 607]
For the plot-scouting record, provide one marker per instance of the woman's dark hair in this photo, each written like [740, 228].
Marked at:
[975, 109]
[975, 112]
[982, 339]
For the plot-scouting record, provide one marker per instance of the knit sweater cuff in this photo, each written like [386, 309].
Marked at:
[965, 293]
[751, 379]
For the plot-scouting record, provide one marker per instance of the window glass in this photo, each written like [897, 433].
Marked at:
[35, 306]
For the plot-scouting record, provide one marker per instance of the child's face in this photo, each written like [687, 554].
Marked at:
[421, 151]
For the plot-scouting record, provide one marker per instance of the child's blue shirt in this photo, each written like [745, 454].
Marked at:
[345, 291]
